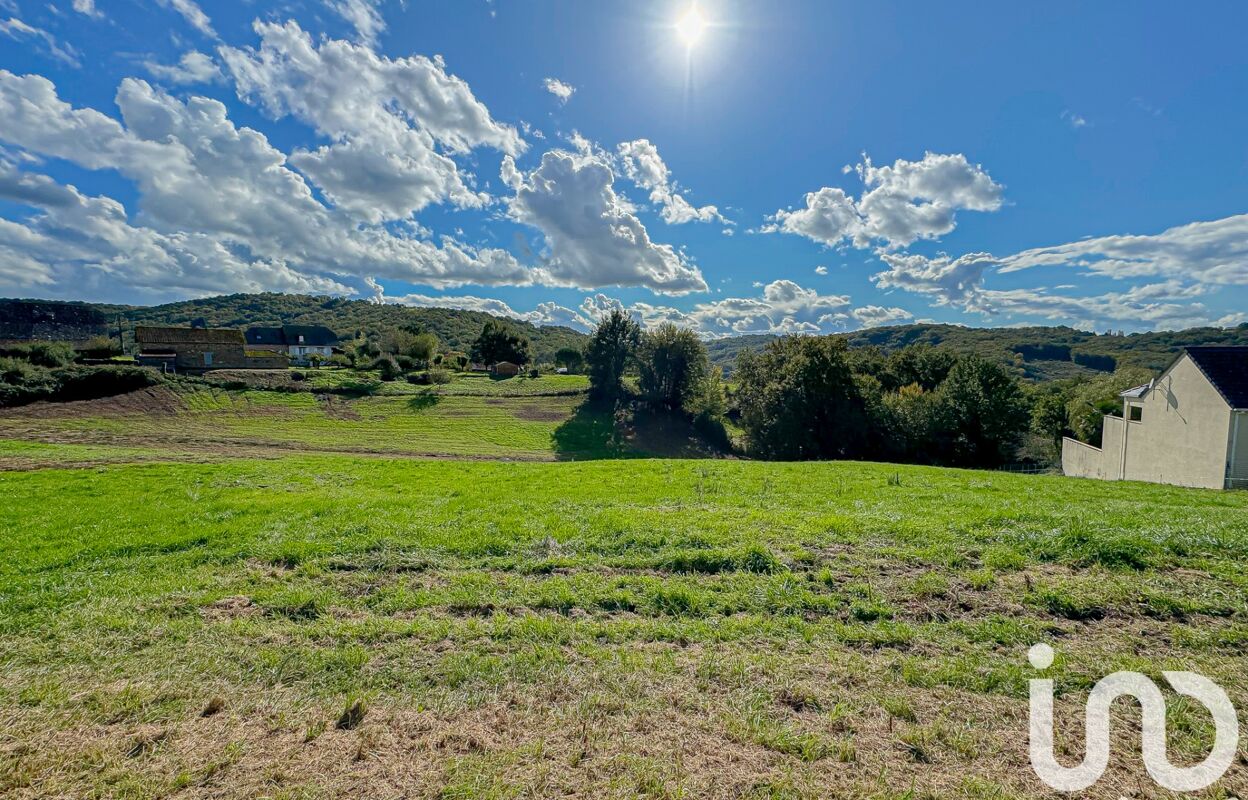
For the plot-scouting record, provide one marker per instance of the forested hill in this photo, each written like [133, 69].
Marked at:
[1037, 353]
[454, 328]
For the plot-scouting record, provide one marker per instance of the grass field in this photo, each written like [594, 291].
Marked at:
[472, 418]
[301, 618]
[331, 626]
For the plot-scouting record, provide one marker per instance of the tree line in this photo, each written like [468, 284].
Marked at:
[815, 397]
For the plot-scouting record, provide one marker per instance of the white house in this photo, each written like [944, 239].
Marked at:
[1187, 427]
[297, 341]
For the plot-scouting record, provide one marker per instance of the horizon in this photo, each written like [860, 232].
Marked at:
[731, 167]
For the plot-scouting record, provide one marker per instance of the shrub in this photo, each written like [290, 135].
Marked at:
[297, 376]
[388, 367]
[43, 354]
[429, 377]
[24, 382]
[90, 383]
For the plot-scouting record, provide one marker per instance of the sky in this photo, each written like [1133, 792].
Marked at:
[734, 167]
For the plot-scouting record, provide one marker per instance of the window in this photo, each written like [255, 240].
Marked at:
[1137, 413]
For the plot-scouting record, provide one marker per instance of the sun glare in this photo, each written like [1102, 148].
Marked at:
[691, 26]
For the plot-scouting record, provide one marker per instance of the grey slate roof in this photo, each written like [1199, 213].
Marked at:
[1226, 367]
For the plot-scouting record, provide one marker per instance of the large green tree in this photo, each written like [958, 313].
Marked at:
[499, 342]
[612, 349]
[571, 357]
[672, 366]
[984, 412]
[799, 399]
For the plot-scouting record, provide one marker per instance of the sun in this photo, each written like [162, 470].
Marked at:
[691, 26]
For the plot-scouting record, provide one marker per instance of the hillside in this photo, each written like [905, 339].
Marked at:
[1038, 353]
[456, 329]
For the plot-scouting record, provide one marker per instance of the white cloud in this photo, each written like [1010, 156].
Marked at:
[363, 14]
[592, 236]
[902, 202]
[1190, 260]
[953, 281]
[874, 316]
[560, 89]
[392, 121]
[821, 270]
[644, 167]
[88, 8]
[193, 14]
[19, 31]
[81, 243]
[1214, 252]
[196, 173]
[193, 67]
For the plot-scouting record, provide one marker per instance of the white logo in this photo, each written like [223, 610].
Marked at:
[1096, 758]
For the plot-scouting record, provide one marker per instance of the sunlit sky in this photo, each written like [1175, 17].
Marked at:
[737, 167]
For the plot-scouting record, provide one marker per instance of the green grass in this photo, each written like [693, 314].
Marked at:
[600, 629]
[463, 384]
[523, 425]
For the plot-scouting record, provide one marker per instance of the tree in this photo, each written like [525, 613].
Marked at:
[1048, 414]
[423, 347]
[1093, 399]
[985, 411]
[570, 357]
[672, 364]
[612, 348]
[498, 342]
[799, 400]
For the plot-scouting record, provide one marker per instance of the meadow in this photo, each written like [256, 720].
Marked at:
[318, 622]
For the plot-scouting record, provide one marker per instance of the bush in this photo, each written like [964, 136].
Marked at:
[388, 367]
[298, 376]
[100, 347]
[23, 382]
[433, 376]
[89, 383]
[43, 354]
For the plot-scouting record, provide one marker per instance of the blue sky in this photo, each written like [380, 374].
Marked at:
[800, 167]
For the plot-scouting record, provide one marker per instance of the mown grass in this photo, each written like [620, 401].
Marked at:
[600, 629]
[465, 384]
[418, 423]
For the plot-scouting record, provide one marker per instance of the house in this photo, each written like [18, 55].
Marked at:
[297, 341]
[1186, 427]
[506, 369]
[190, 349]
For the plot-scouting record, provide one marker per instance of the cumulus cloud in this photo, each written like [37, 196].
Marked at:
[821, 270]
[363, 14]
[19, 31]
[1188, 261]
[562, 90]
[392, 121]
[78, 241]
[546, 314]
[592, 236]
[193, 67]
[644, 167]
[901, 203]
[196, 173]
[874, 316]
